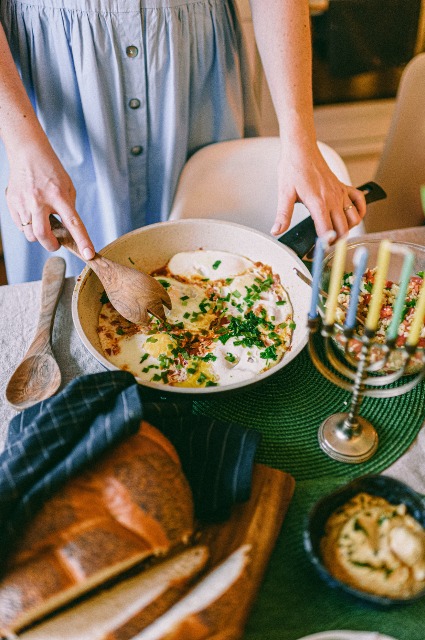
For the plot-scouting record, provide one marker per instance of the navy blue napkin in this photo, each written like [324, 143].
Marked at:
[52, 441]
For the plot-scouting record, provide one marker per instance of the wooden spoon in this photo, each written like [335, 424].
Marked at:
[132, 292]
[38, 376]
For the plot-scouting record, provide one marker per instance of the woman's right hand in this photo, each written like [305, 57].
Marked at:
[38, 186]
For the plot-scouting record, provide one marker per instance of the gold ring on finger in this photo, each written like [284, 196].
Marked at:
[25, 224]
[345, 209]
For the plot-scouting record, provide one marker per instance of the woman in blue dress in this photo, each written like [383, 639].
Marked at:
[103, 101]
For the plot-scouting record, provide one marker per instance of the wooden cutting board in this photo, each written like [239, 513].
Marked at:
[256, 523]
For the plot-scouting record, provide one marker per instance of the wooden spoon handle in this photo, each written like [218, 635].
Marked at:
[51, 287]
[98, 263]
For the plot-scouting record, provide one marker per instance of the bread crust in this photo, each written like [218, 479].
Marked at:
[133, 503]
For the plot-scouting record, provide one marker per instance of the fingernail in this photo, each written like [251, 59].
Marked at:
[276, 228]
[88, 253]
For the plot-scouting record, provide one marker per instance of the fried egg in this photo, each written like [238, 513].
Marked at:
[231, 319]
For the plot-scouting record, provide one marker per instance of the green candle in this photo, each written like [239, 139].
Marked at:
[406, 271]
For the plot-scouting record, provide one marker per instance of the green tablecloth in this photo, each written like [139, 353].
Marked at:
[288, 409]
[294, 601]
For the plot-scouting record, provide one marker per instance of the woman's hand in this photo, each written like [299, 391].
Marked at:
[304, 176]
[38, 186]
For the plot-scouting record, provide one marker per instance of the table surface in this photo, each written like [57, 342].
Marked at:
[19, 306]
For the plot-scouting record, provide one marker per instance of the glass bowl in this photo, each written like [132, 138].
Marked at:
[378, 350]
[394, 491]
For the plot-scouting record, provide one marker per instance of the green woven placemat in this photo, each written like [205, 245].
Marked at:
[289, 407]
[294, 601]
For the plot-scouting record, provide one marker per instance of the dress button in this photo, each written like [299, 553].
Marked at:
[134, 103]
[132, 51]
[137, 150]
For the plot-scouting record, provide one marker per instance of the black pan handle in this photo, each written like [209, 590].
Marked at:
[302, 237]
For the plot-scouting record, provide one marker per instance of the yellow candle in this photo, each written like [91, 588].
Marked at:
[338, 265]
[418, 318]
[383, 262]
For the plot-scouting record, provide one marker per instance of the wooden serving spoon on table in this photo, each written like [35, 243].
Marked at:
[38, 376]
[132, 292]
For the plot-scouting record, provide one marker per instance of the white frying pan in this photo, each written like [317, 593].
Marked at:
[152, 246]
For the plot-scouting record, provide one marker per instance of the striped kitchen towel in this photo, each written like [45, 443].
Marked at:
[52, 441]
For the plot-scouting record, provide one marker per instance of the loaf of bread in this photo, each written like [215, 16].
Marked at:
[208, 611]
[124, 609]
[132, 504]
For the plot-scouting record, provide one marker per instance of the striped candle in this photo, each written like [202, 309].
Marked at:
[338, 265]
[360, 261]
[406, 271]
[383, 262]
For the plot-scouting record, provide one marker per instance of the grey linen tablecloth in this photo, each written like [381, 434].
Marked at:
[19, 306]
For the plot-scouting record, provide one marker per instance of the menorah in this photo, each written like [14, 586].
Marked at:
[357, 355]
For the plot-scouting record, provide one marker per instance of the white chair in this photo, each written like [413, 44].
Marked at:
[237, 181]
[401, 169]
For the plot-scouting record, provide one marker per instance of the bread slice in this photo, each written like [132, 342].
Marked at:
[133, 503]
[118, 611]
[207, 609]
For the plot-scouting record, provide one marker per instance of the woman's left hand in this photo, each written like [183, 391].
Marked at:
[304, 176]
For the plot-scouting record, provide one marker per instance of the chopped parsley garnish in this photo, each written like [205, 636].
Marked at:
[359, 527]
[152, 339]
[269, 353]
[211, 383]
[368, 286]
[208, 357]
[216, 264]
[164, 283]
[230, 357]
[144, 357]
[280, 303]
[202, 378]
[183, 298]
[186, 315]
[104, 298]
[120, 331]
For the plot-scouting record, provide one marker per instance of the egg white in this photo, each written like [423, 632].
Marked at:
[195, 280]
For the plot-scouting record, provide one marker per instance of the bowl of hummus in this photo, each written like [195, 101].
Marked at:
[367, 539]
[238, 308]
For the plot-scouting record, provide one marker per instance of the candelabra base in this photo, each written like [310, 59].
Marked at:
[346, 444]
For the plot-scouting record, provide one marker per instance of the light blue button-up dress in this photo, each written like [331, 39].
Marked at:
[126, 91]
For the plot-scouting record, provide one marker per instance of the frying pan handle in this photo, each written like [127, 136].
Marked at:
[372, 192]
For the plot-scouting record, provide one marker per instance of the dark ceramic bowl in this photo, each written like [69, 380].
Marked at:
[394, 491]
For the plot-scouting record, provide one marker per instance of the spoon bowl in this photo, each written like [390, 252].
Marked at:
[38, 375]
[133, 293]
[37, 378]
